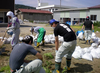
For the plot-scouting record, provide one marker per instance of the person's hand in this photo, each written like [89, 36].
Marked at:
[7, 28]
[92, 30]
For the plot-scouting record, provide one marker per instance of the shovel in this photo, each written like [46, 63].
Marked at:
[1, 40]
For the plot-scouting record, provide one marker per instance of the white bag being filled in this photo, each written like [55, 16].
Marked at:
[80, 36]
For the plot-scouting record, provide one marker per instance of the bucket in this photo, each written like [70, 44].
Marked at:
[35, 42]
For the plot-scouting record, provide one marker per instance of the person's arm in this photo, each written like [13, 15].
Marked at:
[92, 27]
[13, 24]
[56, 42]
[82, 27]
[72, 29]
[39, 56]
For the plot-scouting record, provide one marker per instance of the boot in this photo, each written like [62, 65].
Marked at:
[37, 45]
[57, 68]
[68, 63]
[89, 42]
[42, 43]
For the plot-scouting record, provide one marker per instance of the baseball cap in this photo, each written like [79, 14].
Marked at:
[87, 17]
[52, 21]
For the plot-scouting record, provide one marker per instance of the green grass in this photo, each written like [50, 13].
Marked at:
[48, 56]
[5, 69]
[47, 66]
[79, 28]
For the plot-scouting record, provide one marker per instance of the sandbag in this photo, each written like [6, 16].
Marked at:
[93, 34]
[80, 36]
[94, 45]
[87, 56]
[20, 38]
[94, 53]
[76, 55]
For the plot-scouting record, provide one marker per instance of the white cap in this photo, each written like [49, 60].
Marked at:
[10, 13]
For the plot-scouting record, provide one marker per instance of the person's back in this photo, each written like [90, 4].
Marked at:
[88, 29]
[18, 63]
[65, 31]
[88, 25]
[18, 54]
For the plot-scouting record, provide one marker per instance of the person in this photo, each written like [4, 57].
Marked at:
[15, 28]
[17, 61]
[41, 34]
[88, 29]
[67, 47]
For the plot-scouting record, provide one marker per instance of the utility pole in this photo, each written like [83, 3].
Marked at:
[60, 4]
[39, 4]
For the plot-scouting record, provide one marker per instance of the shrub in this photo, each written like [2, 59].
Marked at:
[97, 23]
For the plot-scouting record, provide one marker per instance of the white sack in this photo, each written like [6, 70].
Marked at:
[94, 54]
[80, 36]
[94, 45]
[93, 34]
[87, 56]
[76, 55]
[20, 38]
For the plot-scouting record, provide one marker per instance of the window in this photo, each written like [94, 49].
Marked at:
[1, 19]
[82, 19]
[93, 17]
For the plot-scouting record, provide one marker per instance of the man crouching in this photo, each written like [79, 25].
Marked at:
[17, 62]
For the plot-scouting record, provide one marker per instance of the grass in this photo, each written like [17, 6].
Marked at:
[48, 56]
[47, 66]
[5, 69]
[79, 28]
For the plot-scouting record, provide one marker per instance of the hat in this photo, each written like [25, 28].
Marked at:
[52, 21]
[27, 39]
[10, 13]
[32, 28]
[87, 17]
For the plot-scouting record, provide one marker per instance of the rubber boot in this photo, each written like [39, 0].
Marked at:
[42, 43]
[68, 63]
[37, 45]
[89, 42]
[57, 68]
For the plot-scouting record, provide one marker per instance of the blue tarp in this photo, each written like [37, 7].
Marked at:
[79, 32]
[68, 22]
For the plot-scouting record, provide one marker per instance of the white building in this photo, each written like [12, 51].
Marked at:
[77, 15]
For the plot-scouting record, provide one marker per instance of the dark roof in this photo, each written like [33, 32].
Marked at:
[94, 7]
[34, 11]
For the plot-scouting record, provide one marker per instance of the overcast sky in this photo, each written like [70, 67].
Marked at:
[75, 3]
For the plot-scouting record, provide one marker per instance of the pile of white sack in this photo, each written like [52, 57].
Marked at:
[87, 53]
[94, 38]
[49, 39]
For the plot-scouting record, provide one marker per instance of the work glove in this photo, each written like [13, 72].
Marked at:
[82, 30]
[92, 30]
[56, 51]
[7, 28]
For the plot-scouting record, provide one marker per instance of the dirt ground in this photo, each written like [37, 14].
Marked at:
[77, 66]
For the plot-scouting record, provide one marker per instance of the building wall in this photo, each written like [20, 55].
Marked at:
[95, 12]
[56, 16]
[36, 16]
[7, 4]
[78, 14]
